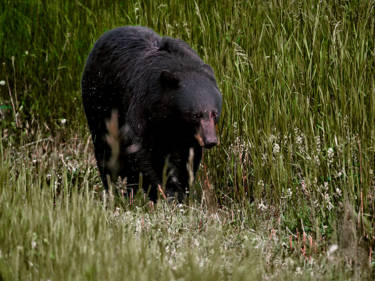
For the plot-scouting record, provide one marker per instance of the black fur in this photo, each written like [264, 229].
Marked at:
[160, 89]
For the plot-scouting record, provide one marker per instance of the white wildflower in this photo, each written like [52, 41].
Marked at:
[329, 206]
[264, 159]
[272, 138]
[181, 208]
[261, 183]
[63, 121]
[317, 142]
[316, 203]
[330, 154]
[333, 248]
[338, 191]
[326, 197]
[117, 212]
[276, 148]
[2, 83]
[299, 140]
[339, 174]
[316, 160]
[289, 193]
[196, 242]
[304, 187]
[285, 140]
[262, 206]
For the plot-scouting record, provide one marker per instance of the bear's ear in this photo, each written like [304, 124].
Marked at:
[164, 44]
[168, 44]
[169, 80]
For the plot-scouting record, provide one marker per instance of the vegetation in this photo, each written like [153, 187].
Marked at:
[289, 194]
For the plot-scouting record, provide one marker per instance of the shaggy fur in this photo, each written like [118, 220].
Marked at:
[164, 103]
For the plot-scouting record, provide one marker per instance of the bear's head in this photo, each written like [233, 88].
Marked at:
[195, 102]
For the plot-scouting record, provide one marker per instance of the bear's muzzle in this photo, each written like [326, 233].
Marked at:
[206, 134]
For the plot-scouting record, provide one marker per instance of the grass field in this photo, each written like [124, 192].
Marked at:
[288, 195]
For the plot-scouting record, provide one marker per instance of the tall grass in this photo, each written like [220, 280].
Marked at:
[297, 150]
[57, 225]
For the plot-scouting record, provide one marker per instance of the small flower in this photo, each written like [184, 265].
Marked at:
[63, 121]
[272, 138]
[304, 187]
[26, 52]
[326, 197]
[330, 154]
[328, 201]
[276, 148]
[333, 248]
[317, 142]
[264, 159]
[262, 206]
[316, 160]
[2, 83]
[329, 206]
[289, 193]
[117, 212]
[299, 140]
[261, 183]
[338, 191]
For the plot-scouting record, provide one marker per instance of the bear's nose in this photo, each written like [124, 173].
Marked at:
[206, 134]
[210, 142]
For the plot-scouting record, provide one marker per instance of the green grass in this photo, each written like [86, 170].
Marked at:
[296, 159]
[55, 226]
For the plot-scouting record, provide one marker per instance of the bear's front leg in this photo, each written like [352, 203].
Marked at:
[151, 179]
[182, 166]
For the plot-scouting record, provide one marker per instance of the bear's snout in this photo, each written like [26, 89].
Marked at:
[206, 135]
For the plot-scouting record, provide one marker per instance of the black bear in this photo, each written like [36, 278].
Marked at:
[163, 104]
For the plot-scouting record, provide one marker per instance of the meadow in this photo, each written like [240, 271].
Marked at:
[288, 195]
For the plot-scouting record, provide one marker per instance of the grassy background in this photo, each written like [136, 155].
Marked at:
[294, 173]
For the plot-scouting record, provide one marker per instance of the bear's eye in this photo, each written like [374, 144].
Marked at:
[197, 115]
